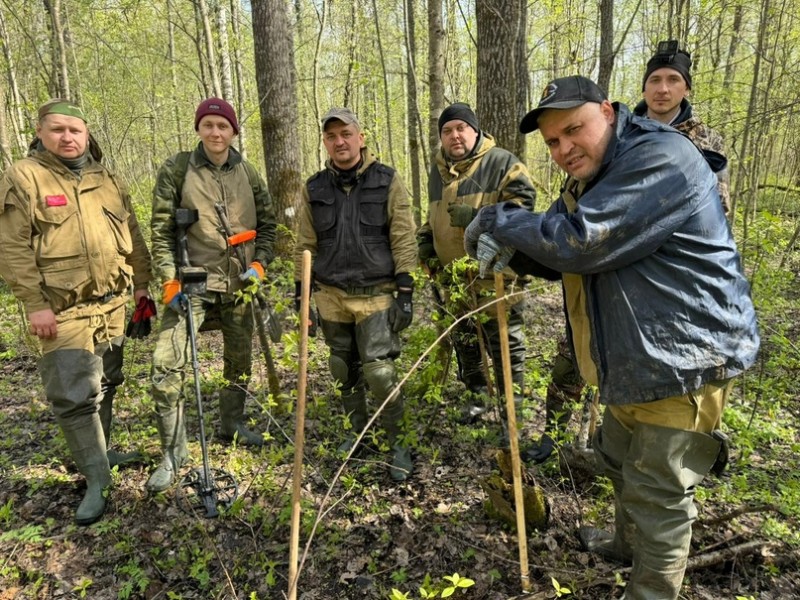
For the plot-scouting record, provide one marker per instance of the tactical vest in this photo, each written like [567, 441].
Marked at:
[352, 227]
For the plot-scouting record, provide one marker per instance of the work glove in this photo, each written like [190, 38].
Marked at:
[461, 215]
[172, 296]
[255, 270]
[541, 452]
[425, 250]
[490, 250]
[471, 235]
[401, 312]
[313, 317]
[139, 326]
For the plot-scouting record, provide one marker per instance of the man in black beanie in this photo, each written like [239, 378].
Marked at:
[469, 172]
[666, 85]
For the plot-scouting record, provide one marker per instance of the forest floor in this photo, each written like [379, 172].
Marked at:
[373, 535]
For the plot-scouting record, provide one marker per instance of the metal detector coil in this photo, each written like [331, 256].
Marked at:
[203, 497]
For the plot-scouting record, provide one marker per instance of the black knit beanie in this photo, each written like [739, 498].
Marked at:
[679, 61]
[461, 111]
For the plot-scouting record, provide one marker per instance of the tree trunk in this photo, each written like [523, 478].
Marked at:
[5, 150]
[241, 93]
[386, 96]
[209, 38]
[59, 84]
[413, 109]
[204, 68]
[523, 83]
[498, 27]
[173, 69]
[435, 71]
[351, 53]
[15, 104]
[275, 77]
[323, 15]
[606, 44]
[226, 79]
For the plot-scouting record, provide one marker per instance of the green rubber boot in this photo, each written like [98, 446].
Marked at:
[172, 432]
[381, 376]
[355, 405]
[71, 380]
[84, 436]
[231, 412]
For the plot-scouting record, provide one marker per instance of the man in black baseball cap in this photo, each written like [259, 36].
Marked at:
[566, 92]
[637, 220]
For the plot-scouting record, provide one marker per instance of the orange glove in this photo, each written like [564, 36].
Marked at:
[170, 289]
[255, 270]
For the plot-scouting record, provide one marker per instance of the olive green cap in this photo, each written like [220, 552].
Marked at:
[59, 106]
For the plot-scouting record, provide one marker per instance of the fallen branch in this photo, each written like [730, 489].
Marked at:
[708, 559]
[738, 512]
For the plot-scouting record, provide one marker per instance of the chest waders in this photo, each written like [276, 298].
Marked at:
[202, 491]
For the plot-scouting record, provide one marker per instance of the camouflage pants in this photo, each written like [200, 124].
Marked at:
[173, 352]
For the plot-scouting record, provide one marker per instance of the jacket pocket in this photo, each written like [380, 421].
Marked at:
[118, 224]
[66, 287]
[323, 211]
[373, 209]
[60, 233]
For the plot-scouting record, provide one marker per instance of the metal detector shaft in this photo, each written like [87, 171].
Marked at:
[208, 485]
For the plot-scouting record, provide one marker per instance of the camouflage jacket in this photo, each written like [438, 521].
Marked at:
[705, 138]
[490, 175]
[247, 206]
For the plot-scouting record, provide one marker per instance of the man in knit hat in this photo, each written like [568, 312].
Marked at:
[666, 86]
[211, 178]
[471, 171]
[71, 251]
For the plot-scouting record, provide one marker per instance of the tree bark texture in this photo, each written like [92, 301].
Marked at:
[276, 79]
[498, 27]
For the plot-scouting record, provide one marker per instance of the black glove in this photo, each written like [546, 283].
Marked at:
[539, 454]
[425, 250]
[313, 317]
[401, 312]
[139, 326]
[461, 215]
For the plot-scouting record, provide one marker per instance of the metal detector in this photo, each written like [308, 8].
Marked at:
[202, 491]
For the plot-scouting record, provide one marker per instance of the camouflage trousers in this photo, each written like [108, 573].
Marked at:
[172, 353]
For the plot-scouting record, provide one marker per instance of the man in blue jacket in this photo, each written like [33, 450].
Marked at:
[658, 311]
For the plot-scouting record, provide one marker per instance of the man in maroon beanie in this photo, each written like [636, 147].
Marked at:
[211, 178]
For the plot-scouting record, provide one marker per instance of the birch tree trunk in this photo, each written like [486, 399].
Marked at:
[59, 85]
[226, 79]
[241, 92]
[15, 104]
[173, 69]
[209, 39]
[435, 71]
[386, 96]
[413, 109]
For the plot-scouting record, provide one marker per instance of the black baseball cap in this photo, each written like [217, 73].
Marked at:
[562, 93]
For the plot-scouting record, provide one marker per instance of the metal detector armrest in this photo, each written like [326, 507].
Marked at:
[193, 280]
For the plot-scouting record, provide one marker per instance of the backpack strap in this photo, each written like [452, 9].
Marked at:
[179, 174]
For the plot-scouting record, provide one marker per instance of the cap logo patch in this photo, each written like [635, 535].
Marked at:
[214, 106]
[549, 91]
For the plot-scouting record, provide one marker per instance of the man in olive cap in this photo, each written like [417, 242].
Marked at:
[71, 250]
[355, 218]
[212, 177]
[662, 343]
[471, 171]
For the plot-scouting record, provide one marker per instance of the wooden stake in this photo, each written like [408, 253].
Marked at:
[516, 464]
[300, 415]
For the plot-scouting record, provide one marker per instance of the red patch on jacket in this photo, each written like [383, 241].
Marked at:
[60, 200]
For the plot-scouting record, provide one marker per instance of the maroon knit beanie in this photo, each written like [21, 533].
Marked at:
[216, 106]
